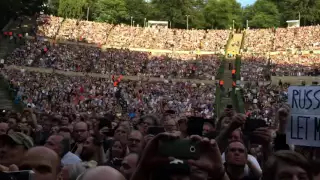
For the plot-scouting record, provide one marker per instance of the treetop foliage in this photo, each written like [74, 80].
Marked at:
[202, 14]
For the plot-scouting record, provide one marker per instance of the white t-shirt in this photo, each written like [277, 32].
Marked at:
[70, 158]
[251, 158]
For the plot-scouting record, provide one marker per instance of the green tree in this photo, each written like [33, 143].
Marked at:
[53, 6]
[138, 10]
[199, 21]
[111, 11]
[308, 9]
[72, 8]
[221, 13]
[11, 8]
[262, 14]
[90, 9]
[176, 12]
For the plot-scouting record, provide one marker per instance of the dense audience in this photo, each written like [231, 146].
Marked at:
[124, 36]
[49, 26]
[71, 57]
[78, 145]
[252, 68]
[59, 93]
[259, 67]
[305, 38]
[282, 39]
[260, 97]
[295, 65]
[259, 40]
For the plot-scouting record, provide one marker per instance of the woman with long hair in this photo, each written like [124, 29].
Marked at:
[116, 154]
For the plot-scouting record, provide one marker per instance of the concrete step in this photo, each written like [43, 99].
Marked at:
[6, 47]
[235, 44]
[224, 102]
[5, 103]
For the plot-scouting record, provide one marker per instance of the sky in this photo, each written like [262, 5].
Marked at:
[246, 2]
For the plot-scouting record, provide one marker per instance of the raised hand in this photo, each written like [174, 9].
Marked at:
[238, 121]
[282, 117]
[210, 159]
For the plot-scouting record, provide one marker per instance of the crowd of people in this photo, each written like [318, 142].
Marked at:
[169, 145]
[305, 38]
[124, 36]
[282, 39]
[296, 65]
[261, 95]
[50, 92]
[261, 67]
[259, 40]
[84, 127]
[72, 57]
[256, 41]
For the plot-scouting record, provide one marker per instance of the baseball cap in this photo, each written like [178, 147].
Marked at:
[19, 138]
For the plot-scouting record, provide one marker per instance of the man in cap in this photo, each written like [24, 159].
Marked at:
[13, 147]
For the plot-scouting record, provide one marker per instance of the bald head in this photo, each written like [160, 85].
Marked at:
[102, 173]
[44, 151]
[59, 144]
[80, 124]
[41, 157]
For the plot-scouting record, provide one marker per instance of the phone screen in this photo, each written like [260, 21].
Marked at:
[195, 126]
[250, 126]
[17, 175]
[155, 130]
[253, 124]
[181, 149]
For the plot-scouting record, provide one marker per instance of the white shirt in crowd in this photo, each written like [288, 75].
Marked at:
[251, 158]
[70, 158]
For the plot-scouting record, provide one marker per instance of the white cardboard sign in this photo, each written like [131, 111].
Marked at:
[304, 122]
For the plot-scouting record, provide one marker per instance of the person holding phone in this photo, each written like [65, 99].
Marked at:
[252, 167]
[236, 159]
[116, 154]
[183, 126]
[170, 125]
[207, 165]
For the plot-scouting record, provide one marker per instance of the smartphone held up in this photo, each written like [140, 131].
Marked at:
[17, 175]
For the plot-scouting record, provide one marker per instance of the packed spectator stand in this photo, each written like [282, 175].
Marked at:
[124, 36]
[53, 92]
